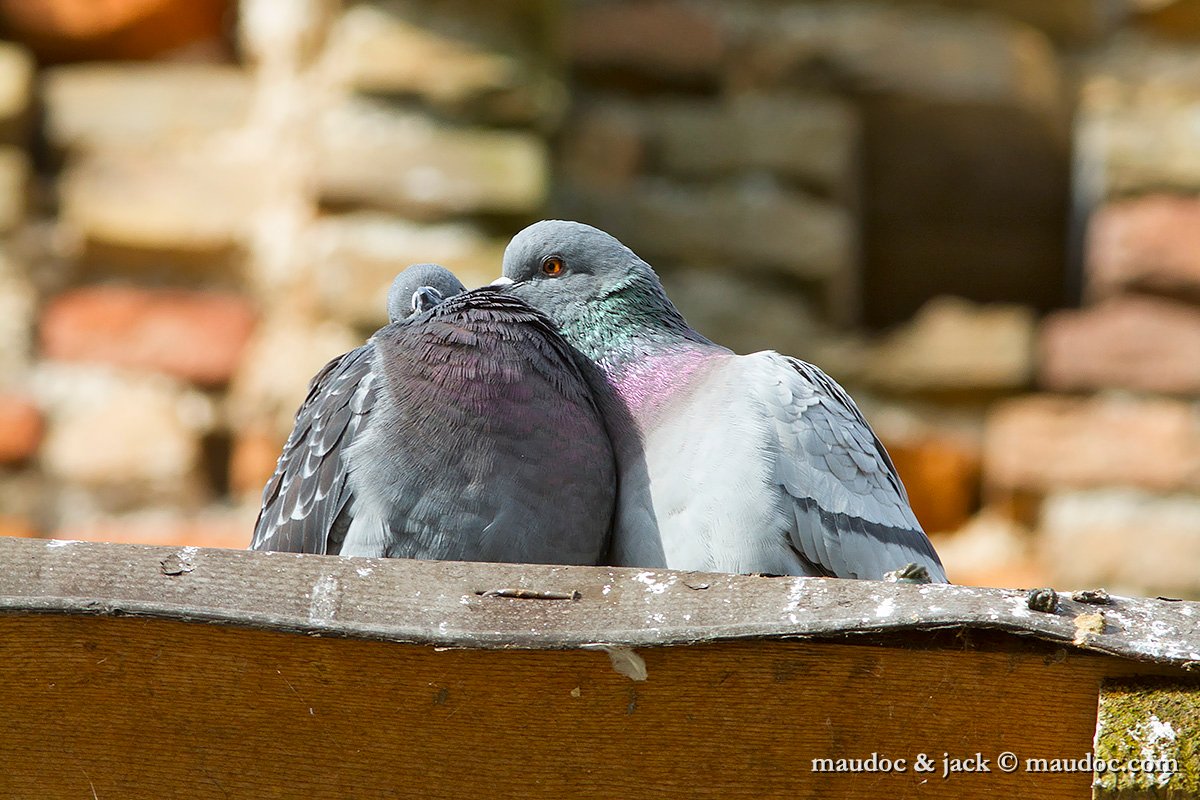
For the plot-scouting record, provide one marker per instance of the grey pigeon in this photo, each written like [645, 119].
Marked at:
[754, 463]
[420, 288]
[462, 430]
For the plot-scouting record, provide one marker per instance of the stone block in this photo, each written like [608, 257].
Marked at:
[662, 37]
[1135, 121]
[931, 53]
[372, 154]
[473, 58]
[354, 258]
[1067, 21]
[1128, 541]
[198, 336]
[286, 352]
[167, 201]
[1128, 342]
[18, 303]
[604, 145]
[755, 225]
[1150, 243]
[14, 187]
[990, 550]
[813, 139]
[133, 106]
[743, 313]
[16, 92]
[289, 37]
[1123, 150]
[108, 428]
[1042, 443]
[955, 345]
[24, 501]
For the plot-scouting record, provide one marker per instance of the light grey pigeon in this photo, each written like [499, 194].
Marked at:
[462, 430]
[755, 463]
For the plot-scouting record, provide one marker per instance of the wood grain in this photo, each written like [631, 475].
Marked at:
[151, 672]
[136, 708]
[540, 607]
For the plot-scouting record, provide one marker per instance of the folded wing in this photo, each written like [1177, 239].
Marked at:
[306, 502]
[851, 517]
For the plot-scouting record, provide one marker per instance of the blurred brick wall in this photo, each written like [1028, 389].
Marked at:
[206, 229]
[981, 216]
[943, 174]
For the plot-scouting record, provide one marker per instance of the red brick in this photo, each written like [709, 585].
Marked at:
[1023, 573]
[226, 529]
[1150, 243]
[658, 36]
[18, 527]
[1175, 20]
[252, 461]
[1130, 342]
[21, 428]
[194, 335]
[69, 30]
[1043, 442]
[941, 475]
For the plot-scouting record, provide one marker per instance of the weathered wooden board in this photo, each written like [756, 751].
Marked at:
[528, 606]
[140, 672]
[139, 709]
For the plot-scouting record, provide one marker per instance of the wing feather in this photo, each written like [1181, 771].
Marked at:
[851, 512]
[306, 502]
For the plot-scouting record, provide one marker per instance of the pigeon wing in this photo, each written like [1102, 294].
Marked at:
[851, 513]
[306, 502]
[487, 444]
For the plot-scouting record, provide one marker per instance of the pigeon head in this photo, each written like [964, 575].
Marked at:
[419, 288]
[560, 266]
[602, 296]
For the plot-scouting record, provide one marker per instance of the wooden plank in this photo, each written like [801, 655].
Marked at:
[98, 707]
[1148, 739]
[538, 607]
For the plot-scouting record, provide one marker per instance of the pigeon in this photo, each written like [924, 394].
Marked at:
[420, 288]
[754, 463]
[463, 430]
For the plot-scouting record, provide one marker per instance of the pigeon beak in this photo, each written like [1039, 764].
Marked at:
[425, 298]
[502, 281]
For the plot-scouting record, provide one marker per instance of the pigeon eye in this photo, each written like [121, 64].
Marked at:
[552, 266]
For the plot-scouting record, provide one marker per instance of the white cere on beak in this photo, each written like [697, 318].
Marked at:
[425, 298]
[502, 281]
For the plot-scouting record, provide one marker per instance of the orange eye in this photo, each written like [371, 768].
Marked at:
[552, 266]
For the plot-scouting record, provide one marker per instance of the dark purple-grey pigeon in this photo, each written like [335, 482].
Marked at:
[463, 430]
[754, 463]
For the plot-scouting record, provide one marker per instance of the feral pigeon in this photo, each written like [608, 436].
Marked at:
[733, 463]
[462, 430]
[420, 288]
